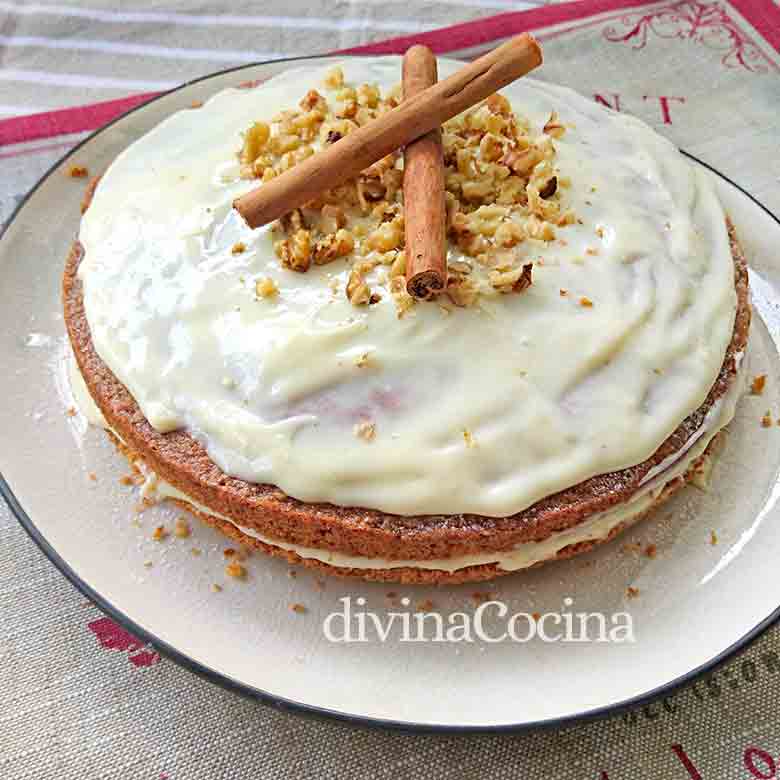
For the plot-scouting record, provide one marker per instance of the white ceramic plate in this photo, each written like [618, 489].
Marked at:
[697, 602]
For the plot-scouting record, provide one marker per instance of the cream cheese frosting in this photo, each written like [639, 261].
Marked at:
[550, 392]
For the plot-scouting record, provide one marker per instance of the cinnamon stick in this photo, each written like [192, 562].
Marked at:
[415, 117]
[424, 207]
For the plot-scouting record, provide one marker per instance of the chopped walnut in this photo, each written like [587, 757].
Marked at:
[509, 234]
[236, 570]
[398, 265]
[295, 253]
[181, 528]
[358, 292]
[266, 288]
[365, 430]
[368, 95]
[255, 140]
[758, 384]
[522, 161]
[553, 127]
[313, 100]
[387, 236]
[514, 280]
[498, 104]
[334, 78]
[160, 533]
[503, 191]
[333, 246]
[461, 290]
[403, 301]
[331, 218]
[549, 189]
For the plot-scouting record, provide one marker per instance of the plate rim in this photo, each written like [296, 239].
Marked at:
[311, 710]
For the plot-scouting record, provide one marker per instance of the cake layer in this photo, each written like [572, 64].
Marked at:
[550, 392]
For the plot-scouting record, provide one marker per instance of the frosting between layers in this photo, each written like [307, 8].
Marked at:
[596, 528]
[552, 393]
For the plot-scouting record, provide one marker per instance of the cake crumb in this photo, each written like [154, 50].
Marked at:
[235, 570]
[536, 616]
[238, 248]
[651, 551]
[145, 503]
[299, 608]
[126, 480]
[766, 420]
[292, 573]
[196, 551]
[181, 527]
[563, 293]
[148, 564]
[586, 302]
[78, 172]
[426, 605]
[757, 386]
[92, 476]
[71, 411]
[229, 552]
[196, 104]
[469, 438]
[159, 533]
[632, 592]
[216, 588]
[713, 538]
[365, 430]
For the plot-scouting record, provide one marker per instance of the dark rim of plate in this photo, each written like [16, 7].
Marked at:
[279, 702]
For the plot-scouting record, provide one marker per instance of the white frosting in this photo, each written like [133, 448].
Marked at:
[552, 392]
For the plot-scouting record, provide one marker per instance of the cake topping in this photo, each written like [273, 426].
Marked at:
[552, 392]
[426, 111]
[424, 203]
[489, 209]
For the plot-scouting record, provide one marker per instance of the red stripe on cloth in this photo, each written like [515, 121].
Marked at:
[66, 120]
[764, 15]
[481, 31]
[459, 36]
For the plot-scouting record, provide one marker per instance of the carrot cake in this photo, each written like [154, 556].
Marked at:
[282, 384]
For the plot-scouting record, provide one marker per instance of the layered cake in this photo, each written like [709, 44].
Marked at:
[283, 384]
